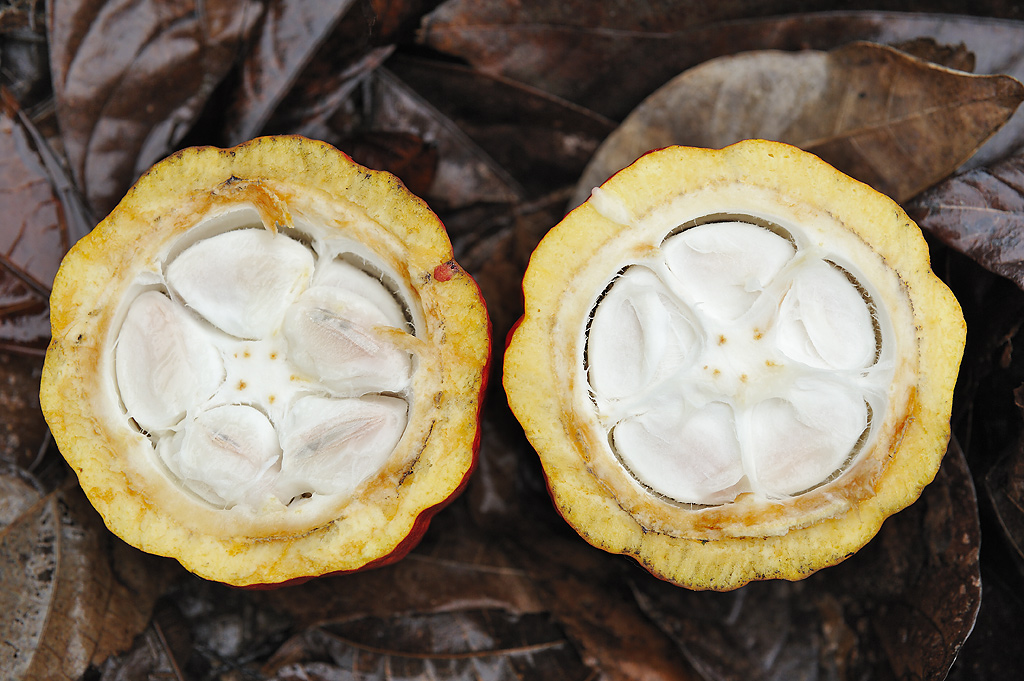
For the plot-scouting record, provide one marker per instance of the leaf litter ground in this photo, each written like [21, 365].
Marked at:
[494, 129]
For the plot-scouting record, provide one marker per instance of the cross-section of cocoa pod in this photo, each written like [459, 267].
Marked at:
[734, 364]
[266, 364]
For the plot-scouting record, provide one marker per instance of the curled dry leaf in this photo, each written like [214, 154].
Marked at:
[901, 608]
[893, 121]
[111, 63]
[71, 596]
[981, 214]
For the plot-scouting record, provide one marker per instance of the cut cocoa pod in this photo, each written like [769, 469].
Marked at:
[734, 364]
[266, 364]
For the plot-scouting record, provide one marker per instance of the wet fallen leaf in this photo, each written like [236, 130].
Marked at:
[33, 239]
[542, 141]
[111, 64]
[408, 156]
[288, 36]
[981, 214]
[888, 119]
[901, 608]
[465, 174]
[579, 49]
[608, 58]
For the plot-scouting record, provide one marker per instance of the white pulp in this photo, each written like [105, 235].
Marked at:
[737, 361]
[266, 370]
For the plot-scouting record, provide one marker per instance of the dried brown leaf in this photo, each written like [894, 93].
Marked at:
[888, 119]
[589, 596]
[456, 567]
[454, 645]
[993, 651]
[150, 658]
[1004, 485]
[130, 78]
[928, 49]
[608, 61]
[23, 51]
[901, 608]
[325, 88]
[23, 432]
[587, 51]
[901, 124]
[406, 155]
[71, 595]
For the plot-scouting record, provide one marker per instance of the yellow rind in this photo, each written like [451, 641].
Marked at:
[537, 350]
[99, 447]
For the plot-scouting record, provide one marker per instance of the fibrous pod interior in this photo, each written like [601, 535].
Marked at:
[750, 368]
[277, 384]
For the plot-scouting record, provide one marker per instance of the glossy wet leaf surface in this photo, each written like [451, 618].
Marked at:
[491, 111]
[112, 63]
[33, 237]
[980, 213]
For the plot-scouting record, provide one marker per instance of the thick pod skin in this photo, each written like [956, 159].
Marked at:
[339, 296]
[833, 415]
